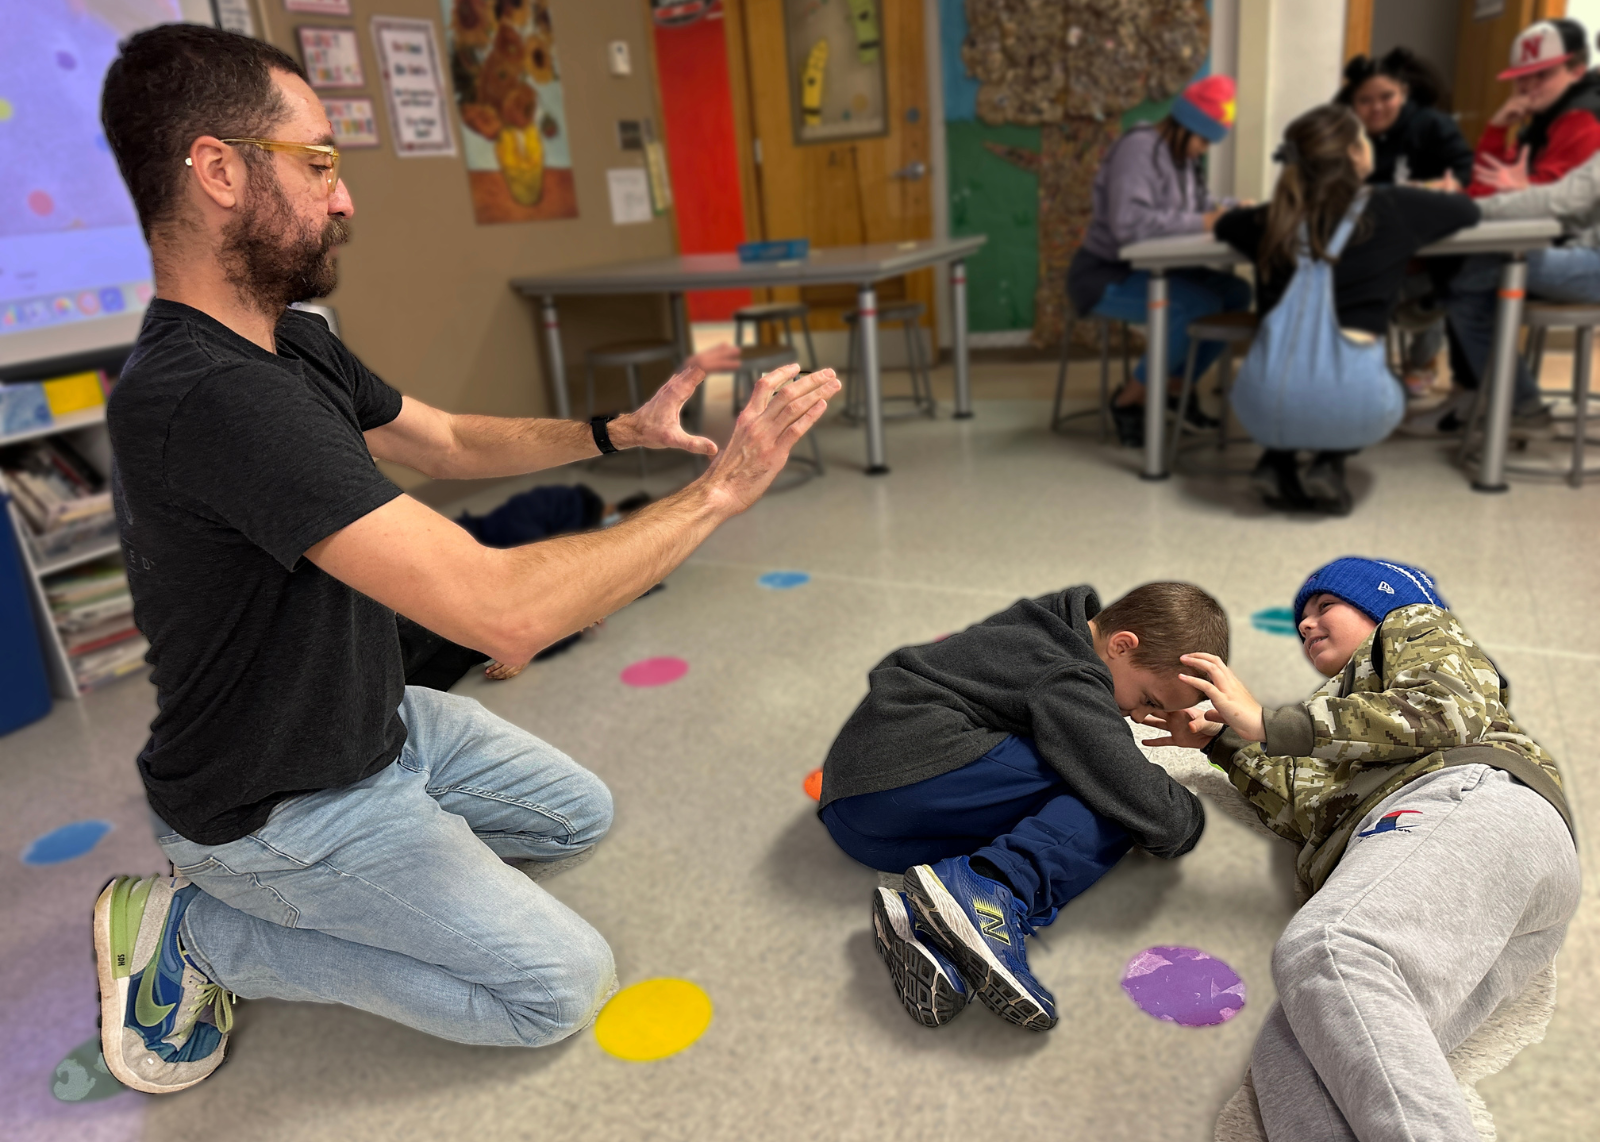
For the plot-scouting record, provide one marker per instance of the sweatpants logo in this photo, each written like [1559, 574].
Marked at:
[1390, 823]
[991, 922]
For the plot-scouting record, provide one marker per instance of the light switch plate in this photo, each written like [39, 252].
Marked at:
[621, 59]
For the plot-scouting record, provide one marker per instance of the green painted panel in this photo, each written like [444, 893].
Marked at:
[989, 195]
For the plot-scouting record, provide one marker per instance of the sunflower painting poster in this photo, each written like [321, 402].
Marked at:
[503, 65]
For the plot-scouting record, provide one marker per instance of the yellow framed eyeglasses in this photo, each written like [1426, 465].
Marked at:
[330, 173]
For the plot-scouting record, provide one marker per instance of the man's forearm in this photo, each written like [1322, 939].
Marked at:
[489, 446]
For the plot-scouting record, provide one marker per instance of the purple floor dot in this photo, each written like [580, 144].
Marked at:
[1184, 986]
[655, 672]
[66, 61]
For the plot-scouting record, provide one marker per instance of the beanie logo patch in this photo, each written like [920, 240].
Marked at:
[1384, 587]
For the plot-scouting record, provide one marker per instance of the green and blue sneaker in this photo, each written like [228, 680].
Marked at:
[163, 1024]
[930, 987]
[981, 925]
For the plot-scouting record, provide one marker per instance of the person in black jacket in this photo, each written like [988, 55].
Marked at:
[1395, 96]
[996, 766]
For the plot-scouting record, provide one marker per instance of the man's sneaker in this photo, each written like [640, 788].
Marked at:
[929, 984]
[980, 925]
[163, 1025]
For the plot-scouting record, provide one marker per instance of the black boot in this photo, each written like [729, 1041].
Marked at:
[1324, 482]
[1129, 419]
[1277, 478]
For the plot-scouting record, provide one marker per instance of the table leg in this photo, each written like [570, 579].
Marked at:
[1502, 379]
[958, 320]
[867, 308]
[558, 365]
[1155, 378]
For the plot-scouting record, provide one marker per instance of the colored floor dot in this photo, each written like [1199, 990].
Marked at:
[1183, 986]
[65, 843]
[41, 203]
[1274, 620]
[6, 110]
[784, 580]
[655, 672]
[813, 785]
[83, 1075]
[653, 1019]
[66, 61]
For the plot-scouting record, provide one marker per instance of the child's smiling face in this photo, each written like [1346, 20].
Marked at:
[1332, 630]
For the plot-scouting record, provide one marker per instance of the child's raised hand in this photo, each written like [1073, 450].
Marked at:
[1232, 701]
[1190, 728]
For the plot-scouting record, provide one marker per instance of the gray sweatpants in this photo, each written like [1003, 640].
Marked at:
[1453, 893]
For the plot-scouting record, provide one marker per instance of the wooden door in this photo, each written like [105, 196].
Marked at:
[859, 186]
[1483, 51]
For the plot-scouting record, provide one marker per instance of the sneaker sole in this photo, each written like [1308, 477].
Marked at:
[990, 979]
[114, 1003]
[924, 989]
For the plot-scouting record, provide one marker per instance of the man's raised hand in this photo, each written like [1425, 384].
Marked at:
[658, 423]
[1231, 701]
[783, 406]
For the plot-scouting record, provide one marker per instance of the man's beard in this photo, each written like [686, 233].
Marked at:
[270, 258]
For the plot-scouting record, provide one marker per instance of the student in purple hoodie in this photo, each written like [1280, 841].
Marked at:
[1150, 186]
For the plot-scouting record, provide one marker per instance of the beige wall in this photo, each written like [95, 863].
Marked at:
[423, 296]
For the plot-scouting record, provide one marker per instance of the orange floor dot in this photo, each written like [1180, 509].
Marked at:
[653, 1019]
[813, 785]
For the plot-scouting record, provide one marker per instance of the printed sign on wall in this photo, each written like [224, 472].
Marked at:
[503, 65]
[332, 57]
[408, 56]
[319, 7]
[355, 123]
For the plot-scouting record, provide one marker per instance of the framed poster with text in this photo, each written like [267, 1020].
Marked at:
[413, 85]
[355, 123]
[332, 56]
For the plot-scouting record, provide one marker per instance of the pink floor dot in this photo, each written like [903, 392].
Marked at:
[655, 672]
[41, 203]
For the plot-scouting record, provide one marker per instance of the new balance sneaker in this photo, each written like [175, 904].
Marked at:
[163, 1025]
[930, 987]
[980, 925]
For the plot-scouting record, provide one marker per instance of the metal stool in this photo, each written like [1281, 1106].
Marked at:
[909, 315]
[1057, 420]
[1237, 328]
[771, 313]
[754, 360]
[1540, 317]
[627, 356]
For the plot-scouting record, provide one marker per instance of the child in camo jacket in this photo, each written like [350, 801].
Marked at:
[1435, 838]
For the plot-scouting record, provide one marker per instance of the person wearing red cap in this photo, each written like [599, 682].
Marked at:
[1555, 111]
[1151, 186]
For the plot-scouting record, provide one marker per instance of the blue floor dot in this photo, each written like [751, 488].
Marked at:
[1274, 620]
[66, 842]
[784, 580]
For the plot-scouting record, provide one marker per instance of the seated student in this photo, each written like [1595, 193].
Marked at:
[1394, 96]
[1555, 112]
[1434, 835]
[1151, 186]
[1569, 273]
[1326, 158]
[997, 767]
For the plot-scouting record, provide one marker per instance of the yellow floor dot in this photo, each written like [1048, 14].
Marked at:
[5, 110]
[653, 1019]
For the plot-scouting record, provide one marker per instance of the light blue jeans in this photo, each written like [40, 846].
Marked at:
[1569, 274]
[391, 895]
[1191, 293]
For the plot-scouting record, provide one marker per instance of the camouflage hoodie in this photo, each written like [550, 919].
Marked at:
[1419, 686]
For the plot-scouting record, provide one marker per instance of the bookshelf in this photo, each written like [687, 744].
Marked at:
[86, 432]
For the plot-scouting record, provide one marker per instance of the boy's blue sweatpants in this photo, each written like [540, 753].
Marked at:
[1008, 807]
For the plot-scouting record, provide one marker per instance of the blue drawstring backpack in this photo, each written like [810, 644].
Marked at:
[1304, 383]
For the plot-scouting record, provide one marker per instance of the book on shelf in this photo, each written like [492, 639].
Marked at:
[84, 584]
[97, 667]
[53, 485]
[98, 636]
[91, 612]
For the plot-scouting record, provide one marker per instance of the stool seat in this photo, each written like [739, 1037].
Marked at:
[620, 354]
[771, 310]
[894, 311]
[764, 357]
[1550, 314]
[1229, 328]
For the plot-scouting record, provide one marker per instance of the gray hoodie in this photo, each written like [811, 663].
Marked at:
[1139, 193]
[1574, 199]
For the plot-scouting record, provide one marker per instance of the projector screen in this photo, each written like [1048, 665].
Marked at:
[74, 268]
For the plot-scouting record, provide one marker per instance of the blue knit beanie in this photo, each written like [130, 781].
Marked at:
[1372, 586]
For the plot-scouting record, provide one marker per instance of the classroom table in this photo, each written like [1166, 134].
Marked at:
[864, 266]
[1511, 238]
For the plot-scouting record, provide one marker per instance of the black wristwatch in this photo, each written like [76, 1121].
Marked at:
[602, 437]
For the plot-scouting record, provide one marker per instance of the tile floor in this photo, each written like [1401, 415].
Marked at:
[717, 870]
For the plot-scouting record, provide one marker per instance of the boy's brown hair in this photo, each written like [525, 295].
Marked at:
[1171, 619]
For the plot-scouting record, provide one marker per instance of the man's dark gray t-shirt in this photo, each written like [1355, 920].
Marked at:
[272, 677]
[1032, 671]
